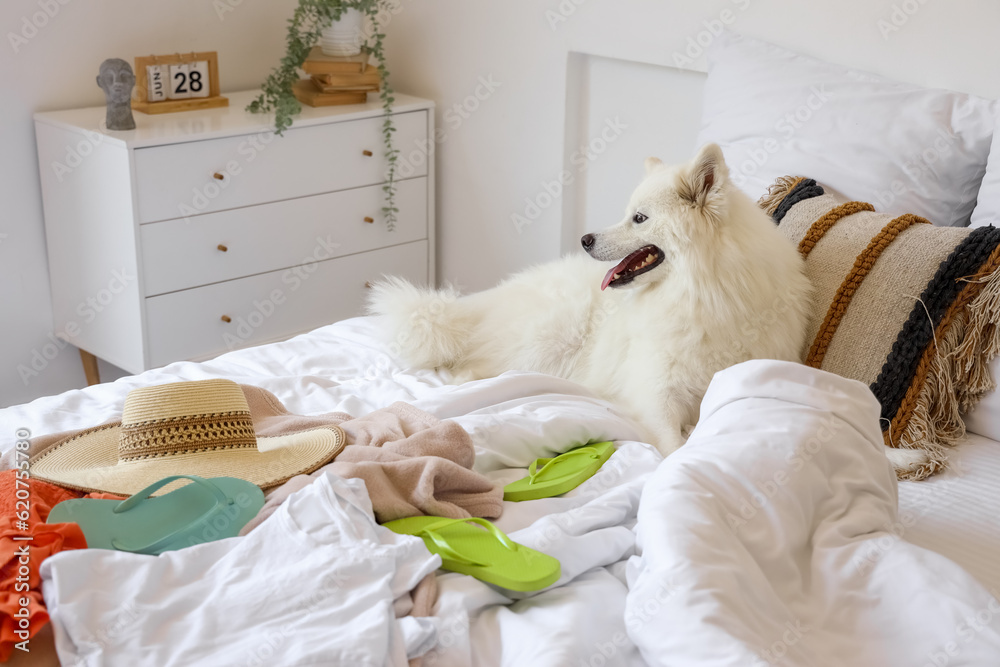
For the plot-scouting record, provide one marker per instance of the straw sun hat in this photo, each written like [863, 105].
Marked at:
[186, 428]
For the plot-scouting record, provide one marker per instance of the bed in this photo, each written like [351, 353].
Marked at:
[773, 537]
[636, 588]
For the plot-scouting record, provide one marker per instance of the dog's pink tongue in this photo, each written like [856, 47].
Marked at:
[610, 274]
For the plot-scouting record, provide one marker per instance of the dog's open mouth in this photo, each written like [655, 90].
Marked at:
[639, 262]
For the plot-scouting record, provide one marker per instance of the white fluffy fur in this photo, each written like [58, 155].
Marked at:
[731, 288]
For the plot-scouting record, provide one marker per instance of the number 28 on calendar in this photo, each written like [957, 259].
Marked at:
[177, 82]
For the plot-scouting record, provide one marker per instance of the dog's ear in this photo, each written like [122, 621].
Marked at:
[652, 164]
[705, 175]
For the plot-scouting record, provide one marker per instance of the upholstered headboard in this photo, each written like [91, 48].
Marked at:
[650, 94]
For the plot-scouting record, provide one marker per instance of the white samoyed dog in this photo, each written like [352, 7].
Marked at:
[702, 280]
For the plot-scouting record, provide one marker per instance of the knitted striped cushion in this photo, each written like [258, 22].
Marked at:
[905, 307]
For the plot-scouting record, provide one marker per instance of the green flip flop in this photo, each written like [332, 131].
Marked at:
[558, 475]
[204, 511]
[488, 555]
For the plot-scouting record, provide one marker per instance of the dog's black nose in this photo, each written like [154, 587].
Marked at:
[587, 241]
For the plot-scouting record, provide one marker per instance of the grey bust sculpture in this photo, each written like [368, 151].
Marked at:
[116, 79]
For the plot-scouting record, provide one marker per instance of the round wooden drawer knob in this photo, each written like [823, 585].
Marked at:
[367, 153]
[222, 248]
[226, 319]
[367, 219]
[219, 177]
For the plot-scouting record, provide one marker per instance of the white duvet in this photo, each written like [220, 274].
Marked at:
[770, 538]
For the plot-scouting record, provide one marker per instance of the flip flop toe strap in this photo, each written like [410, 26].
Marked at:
[445, 550]
[141, 496]
[536, 474]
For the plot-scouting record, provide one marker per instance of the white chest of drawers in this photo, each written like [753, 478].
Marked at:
[201, 232]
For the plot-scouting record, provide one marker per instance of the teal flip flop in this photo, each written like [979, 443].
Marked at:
[558, 475]
[204, 511]
[488, 555]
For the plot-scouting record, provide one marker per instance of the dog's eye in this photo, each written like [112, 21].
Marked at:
[639, 218]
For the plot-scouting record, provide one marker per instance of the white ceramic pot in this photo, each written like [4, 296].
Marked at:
[343, 37]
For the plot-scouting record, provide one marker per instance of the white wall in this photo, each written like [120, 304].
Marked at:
[515, 144]
[517, 71]
[56, 69]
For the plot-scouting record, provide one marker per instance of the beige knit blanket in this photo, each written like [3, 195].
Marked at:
[412, 463]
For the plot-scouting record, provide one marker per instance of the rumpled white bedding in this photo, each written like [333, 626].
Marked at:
[327, 578]
[770, 538]
[811, 578]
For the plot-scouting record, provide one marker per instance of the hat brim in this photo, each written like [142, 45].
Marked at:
[88, 461]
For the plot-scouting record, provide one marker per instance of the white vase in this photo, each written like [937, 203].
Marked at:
[343, 37]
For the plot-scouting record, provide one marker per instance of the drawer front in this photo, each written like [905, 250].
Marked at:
[184, 180]
[270, 306]
[177, 254]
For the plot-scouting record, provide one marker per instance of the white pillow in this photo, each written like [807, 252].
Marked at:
[984, 419]
[987, 211]
[903, 148]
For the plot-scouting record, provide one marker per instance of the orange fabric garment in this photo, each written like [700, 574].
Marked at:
[48, 540]
[100, 495]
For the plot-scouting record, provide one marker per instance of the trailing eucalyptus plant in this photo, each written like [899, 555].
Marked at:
[304, 29]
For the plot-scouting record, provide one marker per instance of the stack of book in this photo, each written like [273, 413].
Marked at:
[336, 79]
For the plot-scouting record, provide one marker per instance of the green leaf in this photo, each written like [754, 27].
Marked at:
[303, 31]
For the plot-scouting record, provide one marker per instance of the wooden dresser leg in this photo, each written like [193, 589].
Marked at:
[90, 368]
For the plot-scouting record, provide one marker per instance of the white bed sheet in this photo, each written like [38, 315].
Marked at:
[957, 513]
[514, 419]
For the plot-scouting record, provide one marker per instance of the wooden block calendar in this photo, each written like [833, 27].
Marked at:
[178, 82]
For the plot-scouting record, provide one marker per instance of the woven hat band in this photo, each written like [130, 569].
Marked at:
[162, 438]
